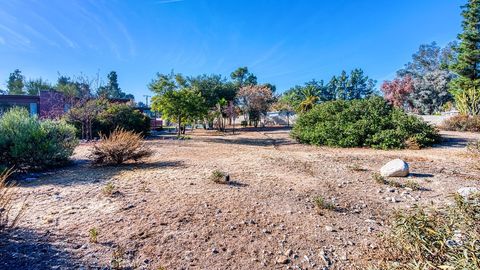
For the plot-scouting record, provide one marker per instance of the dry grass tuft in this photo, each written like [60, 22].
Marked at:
[109, 189]
[412, 184]
[93, 235]
[379, 178]
[323, 204]
[384, 181]
[120, 146]
[8, 216]
[220, 177]
[434, 239]
[356, 168]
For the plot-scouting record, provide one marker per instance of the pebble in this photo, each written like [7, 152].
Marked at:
[282, 259]
[329, 229]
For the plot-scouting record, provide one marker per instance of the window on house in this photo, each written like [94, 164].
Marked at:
[33, 109]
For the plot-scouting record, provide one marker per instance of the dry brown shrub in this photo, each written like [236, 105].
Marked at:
[9, 215]
[462, 123]
[120, 146]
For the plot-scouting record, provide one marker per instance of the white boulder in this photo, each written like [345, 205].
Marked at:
[395, 168]
[465, 192]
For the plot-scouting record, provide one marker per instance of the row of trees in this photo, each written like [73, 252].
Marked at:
[78, 86]
[355, 85]
[211, 99]
[436, 77]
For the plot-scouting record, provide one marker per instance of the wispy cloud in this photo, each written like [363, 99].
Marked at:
[17, 39]
[39, 35]
[66, 40]
[124, 31]
[272, 52]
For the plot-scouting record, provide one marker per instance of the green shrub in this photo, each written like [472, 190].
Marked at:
[462, 123]
[358, 123]
[121, 116]
[28, 143]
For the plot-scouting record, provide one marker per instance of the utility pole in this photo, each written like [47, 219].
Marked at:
[146, 99]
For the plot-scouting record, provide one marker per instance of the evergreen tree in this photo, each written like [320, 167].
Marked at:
[34, 87]
[112, 89]
[242, 77]
[342, 80]
[16, 83]
[466, 86]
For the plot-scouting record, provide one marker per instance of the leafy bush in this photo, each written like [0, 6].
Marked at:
[118, 147]
[28, 143]
[357, 123]
[462, 123]
[434, 239]
[121, 116]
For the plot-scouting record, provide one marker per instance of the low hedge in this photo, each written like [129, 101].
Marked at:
[362, 123]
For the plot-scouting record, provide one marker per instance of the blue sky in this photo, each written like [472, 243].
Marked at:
[282, 42]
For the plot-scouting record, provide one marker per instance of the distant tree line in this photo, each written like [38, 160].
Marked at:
[79, 86]
[302, 98]
[211, 99]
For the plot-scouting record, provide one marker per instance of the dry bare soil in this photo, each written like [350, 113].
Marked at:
[166, 213]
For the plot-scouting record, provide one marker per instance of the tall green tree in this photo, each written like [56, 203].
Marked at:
[176, 99]
[34, 86]
[465, 88]
[67, 86]
[242, 77]
[112, 89]
[355, 85]
[16, 83]
[214, 88]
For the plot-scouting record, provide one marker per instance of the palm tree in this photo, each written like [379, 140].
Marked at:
[308, 103]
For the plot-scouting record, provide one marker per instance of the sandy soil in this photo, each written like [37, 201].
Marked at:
[166, 212]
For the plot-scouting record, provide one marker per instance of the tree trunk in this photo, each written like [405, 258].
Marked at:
[179, 125]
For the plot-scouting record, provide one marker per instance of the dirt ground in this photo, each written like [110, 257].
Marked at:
[166, 213]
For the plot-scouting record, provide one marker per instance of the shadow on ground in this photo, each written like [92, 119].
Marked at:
[24, 249]
[453, 141]
[85, 173]
[250, 141]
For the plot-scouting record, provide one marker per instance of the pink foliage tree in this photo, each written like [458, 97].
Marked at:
[396, 92]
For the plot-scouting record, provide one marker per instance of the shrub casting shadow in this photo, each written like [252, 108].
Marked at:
[24, 249]
[85, 173]
[453, 142]
[249, 142]
[421, 175]
[234, 183]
